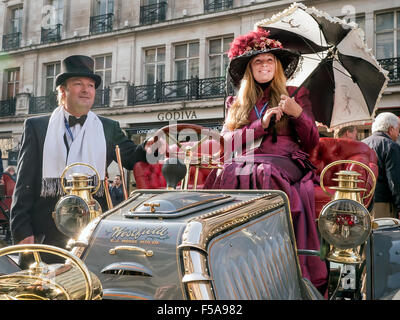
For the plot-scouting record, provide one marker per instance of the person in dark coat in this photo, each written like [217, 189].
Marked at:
[385, 131]
[116, 191]
[72, 133]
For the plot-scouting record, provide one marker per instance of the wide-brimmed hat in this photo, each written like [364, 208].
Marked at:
[77, 66]
[244, 48]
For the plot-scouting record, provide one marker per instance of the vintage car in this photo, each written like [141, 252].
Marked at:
[181, 242]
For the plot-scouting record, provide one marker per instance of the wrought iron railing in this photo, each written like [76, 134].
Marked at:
[46, 104]
[167, 91]
[102, 23]
[153, 13]
[7, 107]
[393, 66]
[217, 5]
[11, 41]
[102, 98]
[43, 104]
[51, 34]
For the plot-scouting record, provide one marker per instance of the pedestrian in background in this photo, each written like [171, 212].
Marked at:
[385, 131]
[349, 132]
[116, 191]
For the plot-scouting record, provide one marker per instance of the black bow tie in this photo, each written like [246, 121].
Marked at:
[74, 120]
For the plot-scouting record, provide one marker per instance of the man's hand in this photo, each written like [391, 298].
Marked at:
[28, 240]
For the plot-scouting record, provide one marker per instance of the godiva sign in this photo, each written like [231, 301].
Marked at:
[177, 115]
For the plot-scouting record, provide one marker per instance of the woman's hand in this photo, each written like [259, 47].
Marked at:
[277, 111]
[290, 107]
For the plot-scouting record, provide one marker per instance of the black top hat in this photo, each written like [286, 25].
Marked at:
[77, 66]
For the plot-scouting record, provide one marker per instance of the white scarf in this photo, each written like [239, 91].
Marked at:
[89, 146]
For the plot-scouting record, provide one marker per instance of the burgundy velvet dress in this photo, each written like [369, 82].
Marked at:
[281, 165]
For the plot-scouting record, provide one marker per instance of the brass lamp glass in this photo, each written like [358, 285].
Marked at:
[71, 215]
[344, 223]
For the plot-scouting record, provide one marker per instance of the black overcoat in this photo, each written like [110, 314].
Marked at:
[31, 214]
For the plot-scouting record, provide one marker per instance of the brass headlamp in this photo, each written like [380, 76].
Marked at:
[344, 222]
[75, 210]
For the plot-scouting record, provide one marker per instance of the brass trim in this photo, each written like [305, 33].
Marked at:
[152, 206]
[349, 172]
[147, 253]
[84, 165]
[178, 210]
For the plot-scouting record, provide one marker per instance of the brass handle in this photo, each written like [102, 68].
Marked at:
[147, 253]
[351, 162]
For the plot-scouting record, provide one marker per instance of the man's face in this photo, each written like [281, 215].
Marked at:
[79, 93]
[352, 134]
[394, 131]
[117, 180]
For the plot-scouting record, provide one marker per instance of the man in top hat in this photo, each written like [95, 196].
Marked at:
[72, 133]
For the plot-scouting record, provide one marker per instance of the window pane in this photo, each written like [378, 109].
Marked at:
[384, 46]
[108, 62]
[58, 66]
[398, 44]
[150, 78]
[49, 86]
[360, 20]
[180, 70]
[107, 78]
[226, 63]
[161, 54]
[194, 49]
[99, 63]
[384, 21]
[193, 68]
[50, 70]
[160, 72]
[398, 20]
[10, 91]
[215, 46]
[150, 55]
[215, 66]
[180, 51]
[227, 43]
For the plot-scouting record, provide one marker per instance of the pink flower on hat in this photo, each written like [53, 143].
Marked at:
[253, 41]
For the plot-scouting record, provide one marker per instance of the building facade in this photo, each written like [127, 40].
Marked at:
[160, 60]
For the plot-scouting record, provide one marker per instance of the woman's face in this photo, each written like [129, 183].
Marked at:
[263, 67]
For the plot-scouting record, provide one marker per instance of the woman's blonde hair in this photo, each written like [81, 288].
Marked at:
[249, 93]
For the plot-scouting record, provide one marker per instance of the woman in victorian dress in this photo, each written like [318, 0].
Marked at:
[275, 134]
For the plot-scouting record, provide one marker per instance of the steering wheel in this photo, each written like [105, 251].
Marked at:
[35, 248]
[176, 131]
[195, 153]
